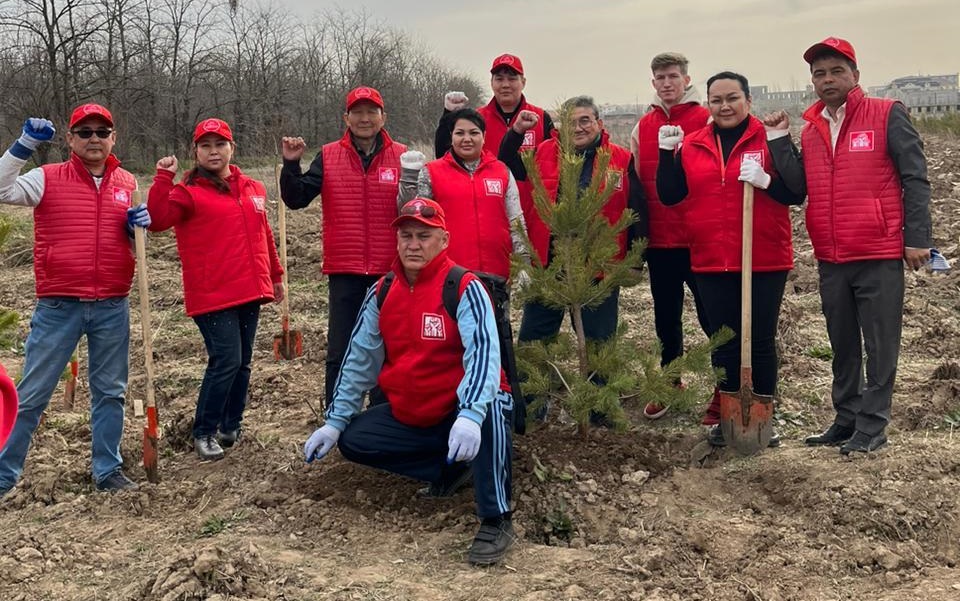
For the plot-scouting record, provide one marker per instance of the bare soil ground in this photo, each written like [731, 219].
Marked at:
[647, 514]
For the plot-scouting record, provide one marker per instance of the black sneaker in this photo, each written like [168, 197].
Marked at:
[229, 438]
[833, 436]
[861, 442]
[715, 438]
[117, 480]
[447, 487]
[207, 448]
[492, 541]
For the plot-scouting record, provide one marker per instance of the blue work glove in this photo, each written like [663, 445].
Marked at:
[137, 216]
[35, 132]
[321, 442]
[464, 441]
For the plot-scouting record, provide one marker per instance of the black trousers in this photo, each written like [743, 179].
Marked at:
[720, 293]
[345, 296]
[375, 438]
[863, 304]
[669, 272]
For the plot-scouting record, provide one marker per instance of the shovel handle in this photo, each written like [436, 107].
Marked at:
[282, 227]
[140, 241]
[746, 286]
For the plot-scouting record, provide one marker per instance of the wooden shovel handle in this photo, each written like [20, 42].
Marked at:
[282, 227]
[746, 286]
[141, 244]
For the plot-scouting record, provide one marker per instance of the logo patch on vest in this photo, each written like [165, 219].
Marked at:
[433, 327]
[259, 203]
[529, 139]
[753, 155]
[494, 187]
[388, 175]
[861, 141]
[615, 179]
[121, 196]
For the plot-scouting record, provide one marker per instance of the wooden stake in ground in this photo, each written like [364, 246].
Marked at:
[151, 429]
[288, 344]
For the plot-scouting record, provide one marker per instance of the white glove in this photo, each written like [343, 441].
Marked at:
[321, 442]
[464, 441]
[752, 173]
[454, 101]
[412, 159]
[669, 137]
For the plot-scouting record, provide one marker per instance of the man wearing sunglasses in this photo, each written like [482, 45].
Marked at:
[447, 414]
[83, 264]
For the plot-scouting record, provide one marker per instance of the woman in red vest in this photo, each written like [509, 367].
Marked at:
[230, 268]
[705, 175]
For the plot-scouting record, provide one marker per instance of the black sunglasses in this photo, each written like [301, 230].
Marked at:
[413, 209]
[86, 133]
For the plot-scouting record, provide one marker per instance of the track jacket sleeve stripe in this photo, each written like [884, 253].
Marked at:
[481, 356]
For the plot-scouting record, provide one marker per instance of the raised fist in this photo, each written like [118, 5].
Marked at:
[454, 101]
[669, 137]
[525, 120]
[779, 120]
[413, 160]
[169, 163]
[293, 148]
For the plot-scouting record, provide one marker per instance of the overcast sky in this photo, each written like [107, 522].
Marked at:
[604, 47]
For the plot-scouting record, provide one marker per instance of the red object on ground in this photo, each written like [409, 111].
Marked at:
[8, 406]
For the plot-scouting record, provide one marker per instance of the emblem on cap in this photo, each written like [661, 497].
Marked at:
[210, 125]
[362, 93]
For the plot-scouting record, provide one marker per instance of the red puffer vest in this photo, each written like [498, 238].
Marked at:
[667, 224]
[476, 212]
[81, 245]
[715, 205]
[855, 199]
[424, 358]
[497, 126]
[226, 246]
[547, 158]
[359, 206]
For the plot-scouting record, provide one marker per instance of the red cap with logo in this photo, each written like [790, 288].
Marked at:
[363, 93]
[838, 45]
[508, 61]
[90, 110]
[423, 210]
[213, 126]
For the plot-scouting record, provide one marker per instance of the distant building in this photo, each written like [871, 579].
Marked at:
[924, 95]
[765, 100]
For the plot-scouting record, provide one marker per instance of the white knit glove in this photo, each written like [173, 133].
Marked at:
[752, 173]
[412, 159]
[454, 101]
[669, 137]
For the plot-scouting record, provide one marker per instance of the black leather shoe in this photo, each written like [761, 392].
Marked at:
[834, 436]
[715, 438]
[229, 438]
[492, 542]
[207, 448]
[116, 481]
[864, 443]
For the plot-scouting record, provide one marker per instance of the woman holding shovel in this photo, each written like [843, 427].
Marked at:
[230, 268]
[706, 175]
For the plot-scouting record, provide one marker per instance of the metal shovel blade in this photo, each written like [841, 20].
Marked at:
[288, 345]
[746, 419]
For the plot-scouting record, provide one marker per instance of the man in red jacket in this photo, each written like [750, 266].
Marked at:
[676, 102]
[867, 214]
[357, 178]
[83, 265]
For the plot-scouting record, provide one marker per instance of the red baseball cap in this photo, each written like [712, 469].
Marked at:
[90, 110]
[363, 93]
[423, 210]
[508, 61]
[838, 45]
[213, 126]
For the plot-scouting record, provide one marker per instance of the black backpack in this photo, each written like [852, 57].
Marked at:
[451, 289]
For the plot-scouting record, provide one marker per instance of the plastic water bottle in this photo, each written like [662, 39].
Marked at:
[938, 263]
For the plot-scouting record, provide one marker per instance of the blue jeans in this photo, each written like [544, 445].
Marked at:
[55, 328]
[228, 336]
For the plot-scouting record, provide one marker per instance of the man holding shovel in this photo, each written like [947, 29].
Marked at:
[83, 262]
[357, 178]
[867, 214]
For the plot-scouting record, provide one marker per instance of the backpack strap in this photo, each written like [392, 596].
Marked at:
[384, 287]
[451, 290]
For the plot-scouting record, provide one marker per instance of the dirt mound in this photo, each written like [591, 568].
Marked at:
[211, 573]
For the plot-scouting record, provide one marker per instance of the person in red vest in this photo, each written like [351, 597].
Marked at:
[507, 82]
[230, 268]
[705, 174]
[448, 408]
[868, 213]
[83, 263]
[676, 102]
[357, 178]
[8, 406]
[600, 323]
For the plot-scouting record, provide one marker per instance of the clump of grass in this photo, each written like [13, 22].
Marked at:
[948, 124]
[215, 524]
[824, 353]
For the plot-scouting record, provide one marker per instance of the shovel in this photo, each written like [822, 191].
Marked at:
[746, 418]
[70, 388]
[288, 344]
[151, 430]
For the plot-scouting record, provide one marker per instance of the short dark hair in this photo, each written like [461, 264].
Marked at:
[744, 84]
[470, 115]
[830, 53]
[669, 59]
[582, 102]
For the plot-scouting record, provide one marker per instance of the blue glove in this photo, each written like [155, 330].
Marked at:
[35, 131]
[321, 442]
[464, 441]
[137, 216]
